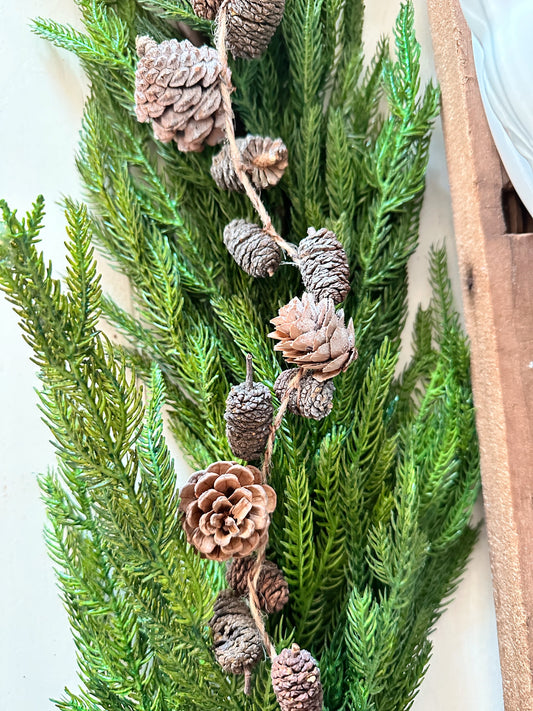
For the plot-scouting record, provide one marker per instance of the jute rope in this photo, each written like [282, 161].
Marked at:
[226, 90]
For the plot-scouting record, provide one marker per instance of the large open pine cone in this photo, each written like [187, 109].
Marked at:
[296, 680]
[248, 416]
[311, 398]
[177, 87]
[263, 159]
[227, 510]
[252, 248]
[272, 588]
[313, 336]
[251, 25]
[236, 639]
[324, 265]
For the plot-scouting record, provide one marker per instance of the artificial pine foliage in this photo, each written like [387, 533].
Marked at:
[371, 528]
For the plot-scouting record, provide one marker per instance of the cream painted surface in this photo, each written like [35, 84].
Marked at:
[41, 98]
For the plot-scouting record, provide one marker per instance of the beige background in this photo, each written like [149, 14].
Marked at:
[41, 97]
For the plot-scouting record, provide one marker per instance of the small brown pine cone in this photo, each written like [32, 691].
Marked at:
[312, 335]
[312, 398]
[251, 25]
[296, 680]
[236, 640]
[206, 8]
[324, 265]
[272, 588]
[226, 510]
[177, 88]
[248, 416]
[252, 248]
[264, 160]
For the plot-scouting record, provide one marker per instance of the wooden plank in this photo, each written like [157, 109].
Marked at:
[497, 280]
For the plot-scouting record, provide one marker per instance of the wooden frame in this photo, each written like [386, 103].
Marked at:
[496, 268]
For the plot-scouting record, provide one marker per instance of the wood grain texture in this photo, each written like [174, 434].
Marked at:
[497, 281]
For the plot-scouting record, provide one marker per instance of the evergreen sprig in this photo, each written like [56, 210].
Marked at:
[372, 524]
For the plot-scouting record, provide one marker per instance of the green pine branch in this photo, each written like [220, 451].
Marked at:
[372, 523]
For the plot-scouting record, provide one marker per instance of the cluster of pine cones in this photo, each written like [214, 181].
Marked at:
[226, 507]
[177, 88]
[238, 645]
[237, 642]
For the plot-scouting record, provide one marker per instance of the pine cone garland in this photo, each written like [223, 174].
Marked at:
[252, 248]
[296, 680]
[272, 588]
[236, 640]
[324, 265]
[177, 87]
[226, 510]
[248, 416]
[312, 398]
[251, 25]
[206, 8]
[313, 336]
[264, 160]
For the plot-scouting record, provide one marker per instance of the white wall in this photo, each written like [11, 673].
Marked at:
[41, 96]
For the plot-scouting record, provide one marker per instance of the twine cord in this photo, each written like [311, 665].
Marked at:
[255, 607]
[294, 384]
[226, 90]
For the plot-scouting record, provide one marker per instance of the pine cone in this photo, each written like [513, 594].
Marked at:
[236, 640]
[177, 87]
[264, 160]
[251, 25]
[227, 510]
[312, 398]
[312, 335]
[252, 248]
[272, 588]
[324, 265]
[248, 416]
[296, 680]
[206, 8]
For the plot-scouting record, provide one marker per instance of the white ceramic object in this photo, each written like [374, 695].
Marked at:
[503, 53]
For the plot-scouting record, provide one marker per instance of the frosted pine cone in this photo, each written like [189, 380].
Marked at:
[263, 159]
[248, 416]
[313, 336]
[252, 248]
[227, 510]
[311, 398]
[251, 25]
[236, 640]
[272, 588]
[296, 680]
[177, 87]
[206, 8]
[324, 265]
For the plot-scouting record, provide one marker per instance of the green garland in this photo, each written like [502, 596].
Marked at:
[372, 523]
